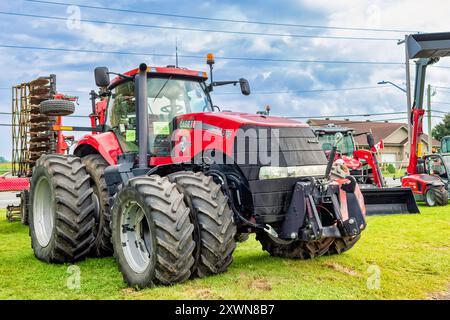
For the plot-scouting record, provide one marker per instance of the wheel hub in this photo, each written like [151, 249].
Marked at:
[43, 211]
[136, 237]
[431, 198]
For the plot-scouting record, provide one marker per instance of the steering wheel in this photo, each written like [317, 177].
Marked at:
[166, 109]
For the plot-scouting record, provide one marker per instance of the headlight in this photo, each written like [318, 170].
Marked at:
[292, 172]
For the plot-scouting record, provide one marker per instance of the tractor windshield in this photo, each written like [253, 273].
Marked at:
[345, 147]
[168, 97]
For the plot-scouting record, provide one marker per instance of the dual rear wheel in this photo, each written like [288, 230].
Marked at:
[163, 231]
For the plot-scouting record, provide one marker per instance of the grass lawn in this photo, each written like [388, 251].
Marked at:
[411, 251]
[5, 166]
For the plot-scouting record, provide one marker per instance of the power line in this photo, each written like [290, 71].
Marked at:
[70, 116]
[358, 115]
[348, 115]
[66, 91]
[303, 91]
[124, 24]
[201, 57]
[221, 19]
[438, 111]
[441, 102]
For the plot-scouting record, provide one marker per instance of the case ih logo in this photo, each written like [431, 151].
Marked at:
[249, 146]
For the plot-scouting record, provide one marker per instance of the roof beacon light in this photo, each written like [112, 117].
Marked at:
[210, 58]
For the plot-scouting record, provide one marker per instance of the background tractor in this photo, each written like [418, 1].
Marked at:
[427, 49]
[445, 144]
[363, 166]
[166, 182]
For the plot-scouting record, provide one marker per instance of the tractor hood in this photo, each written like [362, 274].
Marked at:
[234, 120]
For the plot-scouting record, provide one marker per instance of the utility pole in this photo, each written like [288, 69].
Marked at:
[408, 89]
[430, 138]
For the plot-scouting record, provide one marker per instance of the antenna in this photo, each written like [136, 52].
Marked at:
[176, 52]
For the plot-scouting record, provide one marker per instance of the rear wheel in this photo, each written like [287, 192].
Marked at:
[95, 166]
[296, 249]
[61, 209]
[213, 219]
[436, 196]
[24, 203]
[152, 233]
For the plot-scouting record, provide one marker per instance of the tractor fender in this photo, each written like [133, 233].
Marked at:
[419, 182]
[105, 144]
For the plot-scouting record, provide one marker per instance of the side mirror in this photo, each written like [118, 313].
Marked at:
[245, 86]
[101, 77]
[370, 141]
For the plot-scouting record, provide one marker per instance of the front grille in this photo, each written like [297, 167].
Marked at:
[295, 146]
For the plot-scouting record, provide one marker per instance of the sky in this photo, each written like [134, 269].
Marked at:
[275, 83]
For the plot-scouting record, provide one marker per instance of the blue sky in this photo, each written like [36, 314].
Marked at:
[75, 70]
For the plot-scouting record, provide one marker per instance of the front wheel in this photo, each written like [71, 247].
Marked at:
[296, 249]
[213, 219]
[152, 233]
[340, 245]
[95, 167]
[436, 196]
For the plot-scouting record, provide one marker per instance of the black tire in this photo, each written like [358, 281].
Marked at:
[436, 196]
[57, 107]
[441, 196]
[95, 167]
[213, 219]
[68, 209]
[296, 249]
[340, 245]
[168, 237]
[24, 204]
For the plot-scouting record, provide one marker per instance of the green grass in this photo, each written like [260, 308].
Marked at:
[412, 252]
[5, 166]
[398, 173]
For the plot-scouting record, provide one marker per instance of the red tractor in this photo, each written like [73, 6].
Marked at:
[363, 165]
[424, 182]
[167, 182]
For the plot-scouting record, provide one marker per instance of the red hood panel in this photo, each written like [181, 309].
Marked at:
[231, 119]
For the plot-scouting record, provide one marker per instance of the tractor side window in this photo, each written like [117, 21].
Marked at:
[345, 147]
[167, 98]
[437, 167]
[122, 118]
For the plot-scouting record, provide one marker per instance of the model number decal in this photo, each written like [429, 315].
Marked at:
[186, 124]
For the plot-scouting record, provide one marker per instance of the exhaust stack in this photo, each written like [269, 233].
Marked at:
[142, 115]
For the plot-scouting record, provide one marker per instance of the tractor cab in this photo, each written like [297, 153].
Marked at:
[170, 92]
[445, 144]
[438, 165]
[326, 136]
